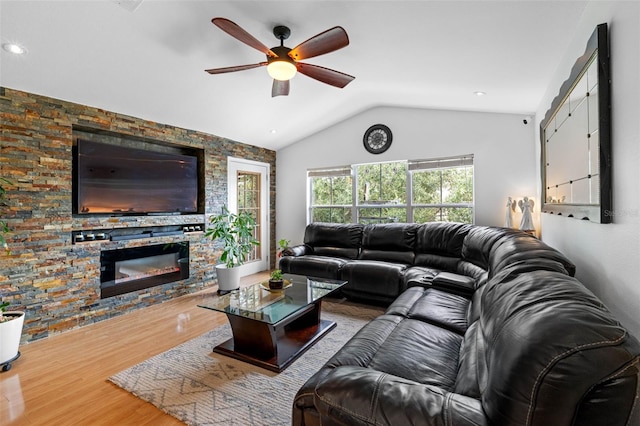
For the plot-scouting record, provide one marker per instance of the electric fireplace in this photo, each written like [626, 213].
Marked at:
[131, 269]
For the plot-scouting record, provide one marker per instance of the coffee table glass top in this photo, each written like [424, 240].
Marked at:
[259, 303]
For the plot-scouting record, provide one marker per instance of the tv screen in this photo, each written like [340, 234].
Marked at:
[114, 179]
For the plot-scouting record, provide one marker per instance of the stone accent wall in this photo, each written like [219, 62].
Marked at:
[56, 282]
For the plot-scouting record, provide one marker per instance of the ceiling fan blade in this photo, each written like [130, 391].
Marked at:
[333, 39]
[325, 75]
[235, 31]
[279, 88]
[236, 68]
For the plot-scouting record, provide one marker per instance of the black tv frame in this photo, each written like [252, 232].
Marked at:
[134, 142]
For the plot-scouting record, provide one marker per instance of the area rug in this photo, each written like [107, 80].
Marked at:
[199, 387]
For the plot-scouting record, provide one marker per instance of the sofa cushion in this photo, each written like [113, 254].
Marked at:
[472, 371]
[455, 283]
[479, 242]
[391, 242]
[525, 248]
[359, 396]
[313, 265]
[428, 304]
[431, 260]
[428, 354]
[471, 270]
[334, 239]
[443, 238]
[371, 277]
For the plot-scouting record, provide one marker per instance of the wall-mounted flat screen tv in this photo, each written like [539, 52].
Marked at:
[115, 179]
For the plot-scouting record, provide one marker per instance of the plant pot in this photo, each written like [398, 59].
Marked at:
[10, 334]
[228, 278]
[276, 284]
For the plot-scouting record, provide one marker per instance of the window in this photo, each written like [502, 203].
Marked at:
[442, 190]
[331, 195]
[249, 202]
[439, 190]
[382, 192]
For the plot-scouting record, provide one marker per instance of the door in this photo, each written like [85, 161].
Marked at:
[249, 192]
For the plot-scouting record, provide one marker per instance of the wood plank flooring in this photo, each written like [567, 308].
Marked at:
[62, 380]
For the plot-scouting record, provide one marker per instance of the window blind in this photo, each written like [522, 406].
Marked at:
[330, 172]
[441, 163]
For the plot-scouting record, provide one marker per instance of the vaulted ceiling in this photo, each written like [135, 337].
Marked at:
[147, 59]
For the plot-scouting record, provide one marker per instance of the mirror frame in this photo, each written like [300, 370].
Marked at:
[602, 213]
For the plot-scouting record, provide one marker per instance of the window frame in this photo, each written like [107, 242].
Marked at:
[441, 164]
[411, 167]
[339, 171]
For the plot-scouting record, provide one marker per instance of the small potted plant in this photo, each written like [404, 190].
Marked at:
[276, 282]
[11, 323]
[236, 231]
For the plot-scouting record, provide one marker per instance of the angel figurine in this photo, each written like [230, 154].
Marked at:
[526, 205]
[511, 207]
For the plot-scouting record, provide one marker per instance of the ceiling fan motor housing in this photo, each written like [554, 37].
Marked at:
[283, 54]
[281, 32]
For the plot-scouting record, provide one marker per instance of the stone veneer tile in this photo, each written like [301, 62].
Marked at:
[56, 282]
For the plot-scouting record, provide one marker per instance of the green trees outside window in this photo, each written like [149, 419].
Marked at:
[443, 195]
[331, 197]
[400, 191]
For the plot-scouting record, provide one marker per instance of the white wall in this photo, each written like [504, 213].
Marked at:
[502, 144]
[607, 256]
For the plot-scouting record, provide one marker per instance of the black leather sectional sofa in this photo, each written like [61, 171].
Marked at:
[485, 326]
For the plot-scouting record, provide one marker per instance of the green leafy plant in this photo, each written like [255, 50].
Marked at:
[276, 275]
[3, 309]
[236, 231]
[282, 245]
[4, 226]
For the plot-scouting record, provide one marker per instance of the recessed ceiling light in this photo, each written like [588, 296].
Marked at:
[478, 93]
[273, 131]
[16, 49]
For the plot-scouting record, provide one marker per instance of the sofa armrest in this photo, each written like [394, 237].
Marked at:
[362, 396]
[454, 283]
[297, 251]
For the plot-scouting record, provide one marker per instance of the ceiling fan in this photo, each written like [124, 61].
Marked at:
[282, 62]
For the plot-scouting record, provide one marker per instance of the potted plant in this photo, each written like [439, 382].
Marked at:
[11, 323]
[236, 231]
[4, 227]
[276, 282]
[282, 245]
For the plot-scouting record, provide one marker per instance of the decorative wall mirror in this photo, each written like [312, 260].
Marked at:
[576, 139]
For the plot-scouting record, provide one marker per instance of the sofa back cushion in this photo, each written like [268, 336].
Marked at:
[441, 238]
[334, 239]
[544, 350]
[479, 242]
[390, 242]
[523, 248]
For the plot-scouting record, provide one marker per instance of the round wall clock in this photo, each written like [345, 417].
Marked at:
[377, 139]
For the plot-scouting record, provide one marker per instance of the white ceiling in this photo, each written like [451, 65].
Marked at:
[150, 62]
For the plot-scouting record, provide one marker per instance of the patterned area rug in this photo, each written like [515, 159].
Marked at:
[200, 387]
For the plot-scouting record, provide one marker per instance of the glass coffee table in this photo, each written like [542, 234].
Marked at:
[272, 328]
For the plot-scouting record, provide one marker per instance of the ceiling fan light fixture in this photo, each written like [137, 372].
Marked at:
[282, 70]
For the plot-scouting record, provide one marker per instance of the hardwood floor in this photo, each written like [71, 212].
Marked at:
[62, 380]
